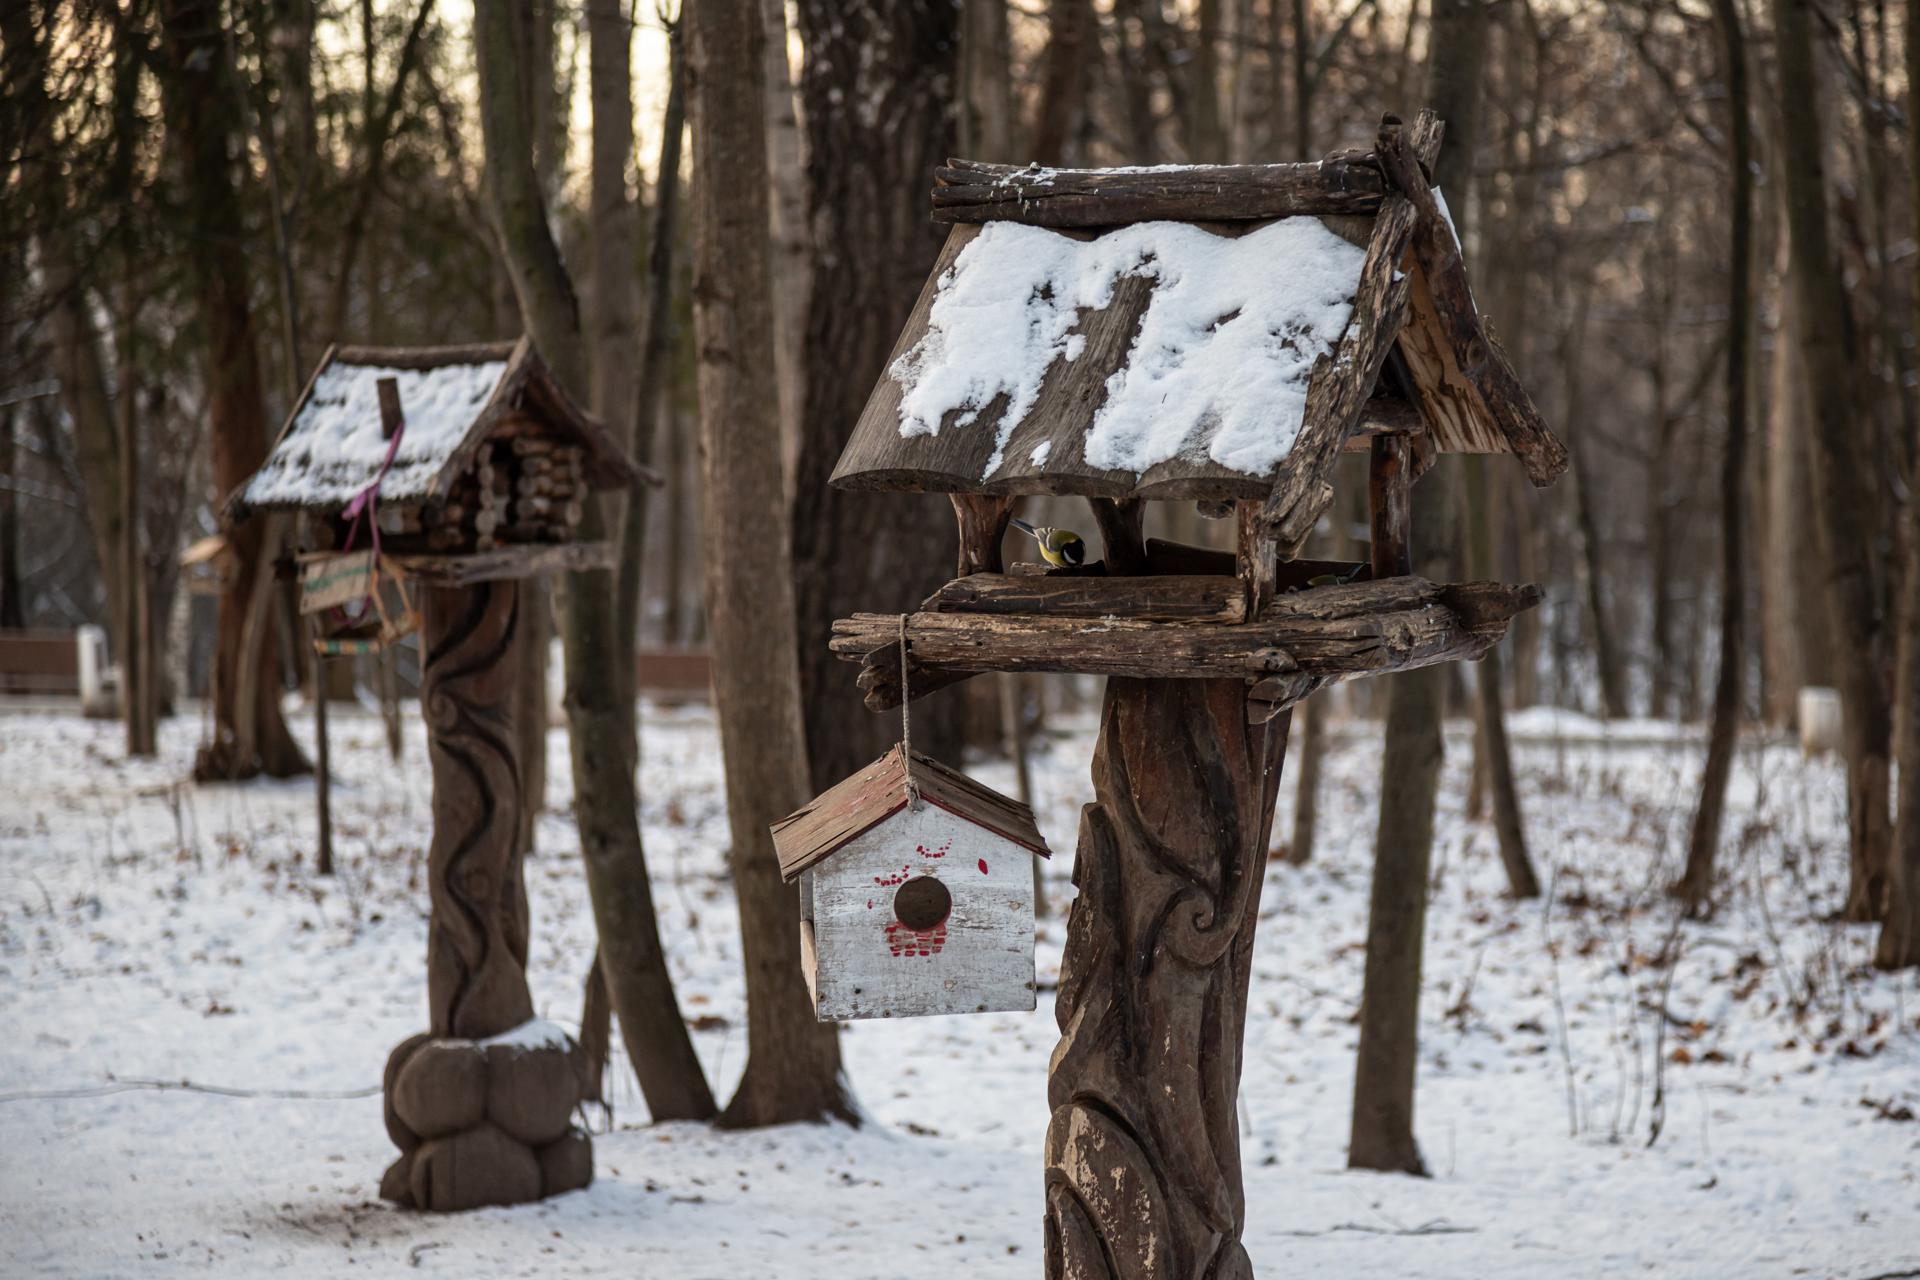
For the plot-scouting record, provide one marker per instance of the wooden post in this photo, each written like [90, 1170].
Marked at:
[477, 935]
[388, 389]
[983, 522]
[323, 756]
[1143, 1152]
[1390, 506]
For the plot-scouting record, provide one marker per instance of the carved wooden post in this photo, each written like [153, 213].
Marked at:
[477, 936]
[481, 1105]
[1143, 1152]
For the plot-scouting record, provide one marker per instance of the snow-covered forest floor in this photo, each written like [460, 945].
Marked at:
[154, 932]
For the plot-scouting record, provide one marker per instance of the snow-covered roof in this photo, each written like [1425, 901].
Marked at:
[334, 442]
[1212, 332]
[1156, 355]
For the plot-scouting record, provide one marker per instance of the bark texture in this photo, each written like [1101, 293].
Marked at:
[1899, 945]
[249, 735]
[1696, 883]
[600, 737]
[877, 89]
[793, 1062]
[1847, 499]
[1382, 1134]
[477, 935]
[1143, 1152]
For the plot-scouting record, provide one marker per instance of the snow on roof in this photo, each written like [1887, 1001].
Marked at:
[335, 444]
[1218, 365]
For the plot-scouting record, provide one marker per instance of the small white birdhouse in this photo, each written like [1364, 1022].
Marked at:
[912, 907]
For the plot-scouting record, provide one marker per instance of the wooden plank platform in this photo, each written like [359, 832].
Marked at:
[1331, 632]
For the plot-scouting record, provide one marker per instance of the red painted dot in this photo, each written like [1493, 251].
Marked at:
[983, 866]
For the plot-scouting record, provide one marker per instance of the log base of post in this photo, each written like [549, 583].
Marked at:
[1143, 1150]
[482, 1122]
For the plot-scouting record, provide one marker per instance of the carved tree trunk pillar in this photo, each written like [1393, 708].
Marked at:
[477, 937]
[1143, 1153]
[481, 1104]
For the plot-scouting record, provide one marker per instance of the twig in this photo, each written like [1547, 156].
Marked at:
[1671, 954]
[1438, 1227]
[1559, 1005]
[188, 1086]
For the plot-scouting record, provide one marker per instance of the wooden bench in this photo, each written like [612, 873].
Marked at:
[42, 662]
[674, 675]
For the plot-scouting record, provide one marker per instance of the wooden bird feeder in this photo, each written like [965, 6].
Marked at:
[458, 470]
[1217, 334]
[916, 892]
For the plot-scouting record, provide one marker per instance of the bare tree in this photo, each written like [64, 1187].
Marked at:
[1382, 1134]
[868, 174]
[1696, 884]
[1069, 33]
[793, 1062]
[249, 735]
[986, 66]
[786, 169]
[1825, 331]
[1899, 945]
[601, 732]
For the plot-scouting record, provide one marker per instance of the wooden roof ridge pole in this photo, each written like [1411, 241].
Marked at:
[1343, 382]
[972, 191]
[1481, 358]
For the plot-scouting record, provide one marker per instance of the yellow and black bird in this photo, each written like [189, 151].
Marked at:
[1061, 548]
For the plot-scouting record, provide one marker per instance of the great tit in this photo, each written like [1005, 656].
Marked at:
[1061, 548]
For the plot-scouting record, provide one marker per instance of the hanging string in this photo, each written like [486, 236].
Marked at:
[906, 722]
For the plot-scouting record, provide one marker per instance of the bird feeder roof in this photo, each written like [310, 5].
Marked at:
[850, 809]
[1162, 333]
[451, 398]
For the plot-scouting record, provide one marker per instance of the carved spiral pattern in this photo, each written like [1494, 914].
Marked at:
[1143, 1155]
[477, 937]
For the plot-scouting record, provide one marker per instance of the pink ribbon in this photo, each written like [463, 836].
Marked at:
[366, 503]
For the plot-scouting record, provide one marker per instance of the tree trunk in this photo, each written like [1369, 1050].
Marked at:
[614, 227]
[867, 181]
[793, 1062]
[136, 690]
[1206, 132]
[1382, 1134]
[1143, 1152]
[1013, 729]
[78, 356]
[1306, 796]
[601, 734]
[786, 167]
[986, 60]
[1846, 496]
[650, 401]
[1494, 756]
[1069, 24]
[1899, 945]
[249, 735]
[1606, 657]
[1696, 884]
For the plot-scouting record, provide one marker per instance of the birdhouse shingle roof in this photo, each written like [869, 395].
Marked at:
[851, 808]
[1157, 333]
[334, 442]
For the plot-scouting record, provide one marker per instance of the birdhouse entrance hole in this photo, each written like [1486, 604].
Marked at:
[922, 903]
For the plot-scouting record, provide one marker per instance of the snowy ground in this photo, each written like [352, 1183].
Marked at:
[150, 932]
